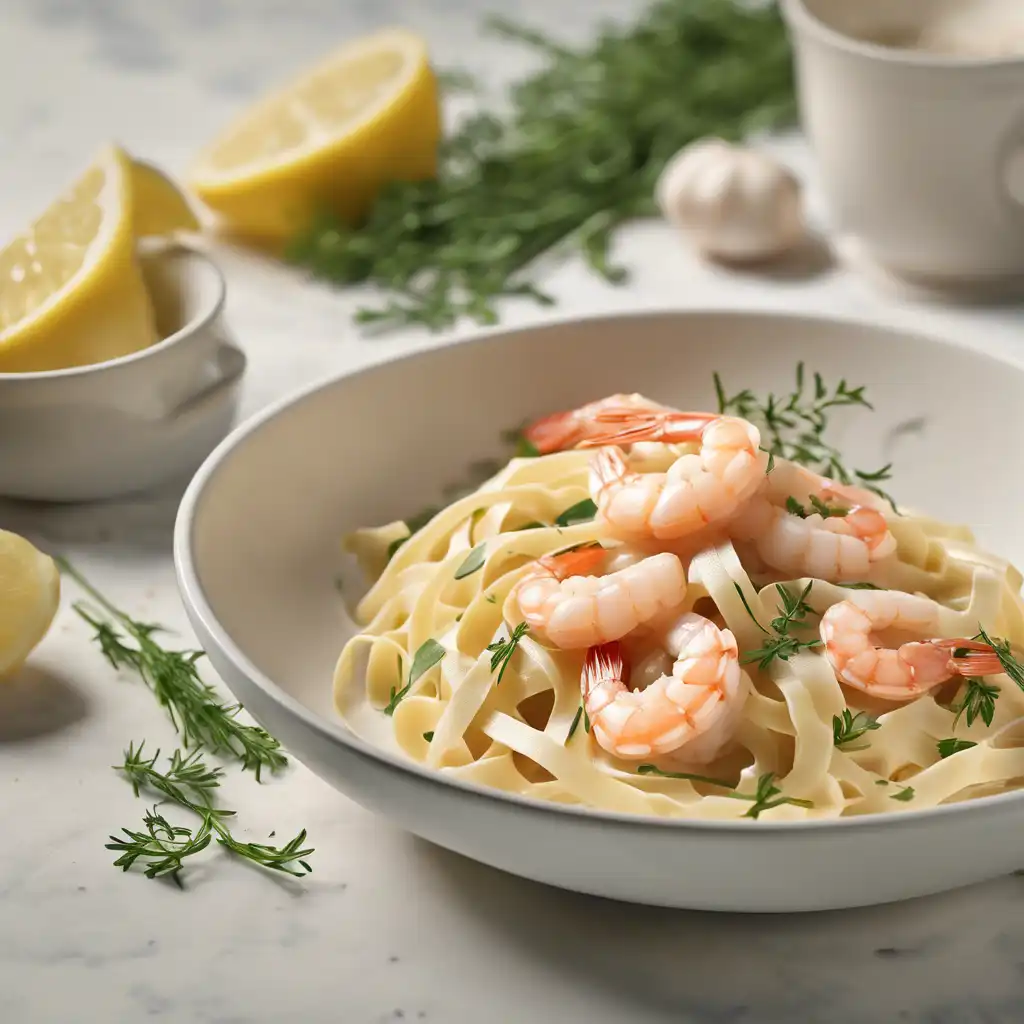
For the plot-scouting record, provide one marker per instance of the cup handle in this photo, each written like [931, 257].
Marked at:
[231, 363]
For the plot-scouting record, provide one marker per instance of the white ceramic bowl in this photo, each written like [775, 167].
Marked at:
[123, 426]
[258, 580]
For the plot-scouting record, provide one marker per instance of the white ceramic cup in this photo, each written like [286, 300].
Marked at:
[124, 426]
[920, 150]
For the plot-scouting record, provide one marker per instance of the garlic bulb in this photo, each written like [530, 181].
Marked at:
[735, 203]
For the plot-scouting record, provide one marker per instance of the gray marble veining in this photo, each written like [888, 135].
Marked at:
[388, 928]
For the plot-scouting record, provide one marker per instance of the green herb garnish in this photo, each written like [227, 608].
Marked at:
[1004, 652]
[951, 746]
[652, 769]
[767, 796]
[979, 701]
[905, 795]
[430, 652]
[578, 153]
[824, 510]
[191, 784]
[851, 726]
[863, 585]
[795, 425]
[575, 723]
[582, 512]
[473, 562]
[779, 643]
[762, 799]
[429, 736]
[195, 708]
[502, 650]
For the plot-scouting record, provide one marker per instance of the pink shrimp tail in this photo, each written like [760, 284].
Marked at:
[554, 433]
[870, 525]
[605, 667]
[971, 657]
[634, 426]
[578, 562]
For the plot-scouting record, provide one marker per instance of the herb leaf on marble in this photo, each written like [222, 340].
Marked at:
[191, 784]
[195, 708]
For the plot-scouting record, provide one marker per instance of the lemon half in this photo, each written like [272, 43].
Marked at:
[71, 292]
[29, 596]
[365, 116]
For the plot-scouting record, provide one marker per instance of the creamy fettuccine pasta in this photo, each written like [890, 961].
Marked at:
[665, 624]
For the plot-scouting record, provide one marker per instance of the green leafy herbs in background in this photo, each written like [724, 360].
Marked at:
[578, 152]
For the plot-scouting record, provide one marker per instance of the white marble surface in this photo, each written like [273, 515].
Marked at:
[387, 928]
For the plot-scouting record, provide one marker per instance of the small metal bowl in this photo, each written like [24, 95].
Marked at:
[124, 426]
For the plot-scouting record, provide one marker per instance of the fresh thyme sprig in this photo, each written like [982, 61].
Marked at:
[1004, 652]
[852, 726]
[579, 152]
[794, 426]
[980, 697]
[766, 794]
[163, 847]
[978, 701]
[191, 784]
[188, 781]
[779, 643]
[194, 706]
[502, 650]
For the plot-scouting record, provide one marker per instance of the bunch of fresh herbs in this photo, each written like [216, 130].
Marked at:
[577, 151]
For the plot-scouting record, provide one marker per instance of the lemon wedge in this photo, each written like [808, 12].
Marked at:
[29, 596]
[71, 292]
[365, 116]
[158, 206]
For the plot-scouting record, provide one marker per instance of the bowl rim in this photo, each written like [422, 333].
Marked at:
[801, 18]
[198, 607]
[203, 318]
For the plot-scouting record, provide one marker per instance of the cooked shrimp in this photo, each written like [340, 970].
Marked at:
[562, 430]
[572, 609]
[693, 712]
[848, 631]
[697, 491]
[791, 480]
[839, 547]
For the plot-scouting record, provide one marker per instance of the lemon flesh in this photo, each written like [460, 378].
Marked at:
[71, 292]
[329, 141]
[29, 597]
[158, 206]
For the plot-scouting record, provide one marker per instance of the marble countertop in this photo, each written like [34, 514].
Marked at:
[388, 928]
